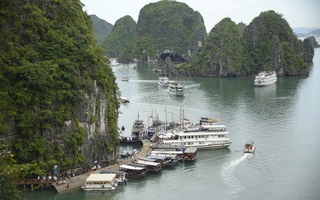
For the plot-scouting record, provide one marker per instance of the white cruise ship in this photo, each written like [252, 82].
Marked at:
[265, 78]
[203, 137]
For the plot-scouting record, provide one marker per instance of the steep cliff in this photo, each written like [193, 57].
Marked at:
[167, 28]
[101, 28]
[58, 102]
[221, 55]
[273, 46]
[121, 37]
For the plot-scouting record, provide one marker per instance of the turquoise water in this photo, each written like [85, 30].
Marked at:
[282, 119]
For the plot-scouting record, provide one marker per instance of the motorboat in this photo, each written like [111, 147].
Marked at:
[124, 100]
[249, 147]
[265, 78]
[100, 182]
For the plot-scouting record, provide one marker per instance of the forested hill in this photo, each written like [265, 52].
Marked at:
[101, 28]
[222, 53]
[121, 38]
[58, 102]
[268, 43]
[165, 27]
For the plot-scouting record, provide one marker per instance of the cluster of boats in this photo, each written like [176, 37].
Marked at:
[158, 159]
[207, 134]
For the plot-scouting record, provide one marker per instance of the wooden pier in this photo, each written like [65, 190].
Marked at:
[75, 183]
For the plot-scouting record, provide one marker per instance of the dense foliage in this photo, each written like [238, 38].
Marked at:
[100, 28]
[273, 46]
[267, 43]
[121, 37]
[222, 53]
[165, 26]
[49, 61]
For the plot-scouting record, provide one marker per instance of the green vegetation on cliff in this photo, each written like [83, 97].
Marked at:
[163, 27]
[267, 43]
[100, 28]
[49, 61]
[121, 37]
[273, 46]
[222, 53]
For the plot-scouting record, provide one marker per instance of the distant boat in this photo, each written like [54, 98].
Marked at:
[125, 79]
[163, 81]
[249, 147]
[124, 100]
[265, 78]
[114, 63]
[175, 88]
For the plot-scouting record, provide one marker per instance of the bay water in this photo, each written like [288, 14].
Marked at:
[282, 119]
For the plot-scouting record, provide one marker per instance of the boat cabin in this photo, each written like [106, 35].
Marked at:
[120, 176]
[249, 147]
[98, 182]
[151, 166]
[133, 171]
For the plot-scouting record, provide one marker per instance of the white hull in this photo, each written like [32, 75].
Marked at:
[97, 188]
[176, 93]
[265, 78]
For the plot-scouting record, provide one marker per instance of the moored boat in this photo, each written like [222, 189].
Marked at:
[138, 128]
[249, 147]
[120, 177]
[190, 153]
[203, 137]
[100, 182]
[133, 171]
[265, 78]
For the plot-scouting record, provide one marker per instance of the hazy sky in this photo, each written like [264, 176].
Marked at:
[298, 13]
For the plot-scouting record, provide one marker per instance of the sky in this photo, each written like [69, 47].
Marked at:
[298, 13]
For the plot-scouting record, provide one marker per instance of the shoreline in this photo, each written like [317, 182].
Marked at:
[75, 183]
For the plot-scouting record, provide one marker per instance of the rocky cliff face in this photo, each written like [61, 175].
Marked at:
[167, 28]
[273, 45]
[58, 102]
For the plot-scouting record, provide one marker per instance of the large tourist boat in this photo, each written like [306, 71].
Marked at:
[100, 182]
[120, 177]
[175, 88]
[265, 78]
[163, 81]
[138, 128]
[151, 166]
[249, 147]
[203, 137]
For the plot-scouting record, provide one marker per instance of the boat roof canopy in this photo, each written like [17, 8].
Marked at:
[131, 167]
[191, 150]
[101, 177]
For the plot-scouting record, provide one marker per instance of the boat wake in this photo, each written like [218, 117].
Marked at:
[227, 174]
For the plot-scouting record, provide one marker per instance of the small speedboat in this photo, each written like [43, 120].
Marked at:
[124, 100]
[249, 147]
[124, 79]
